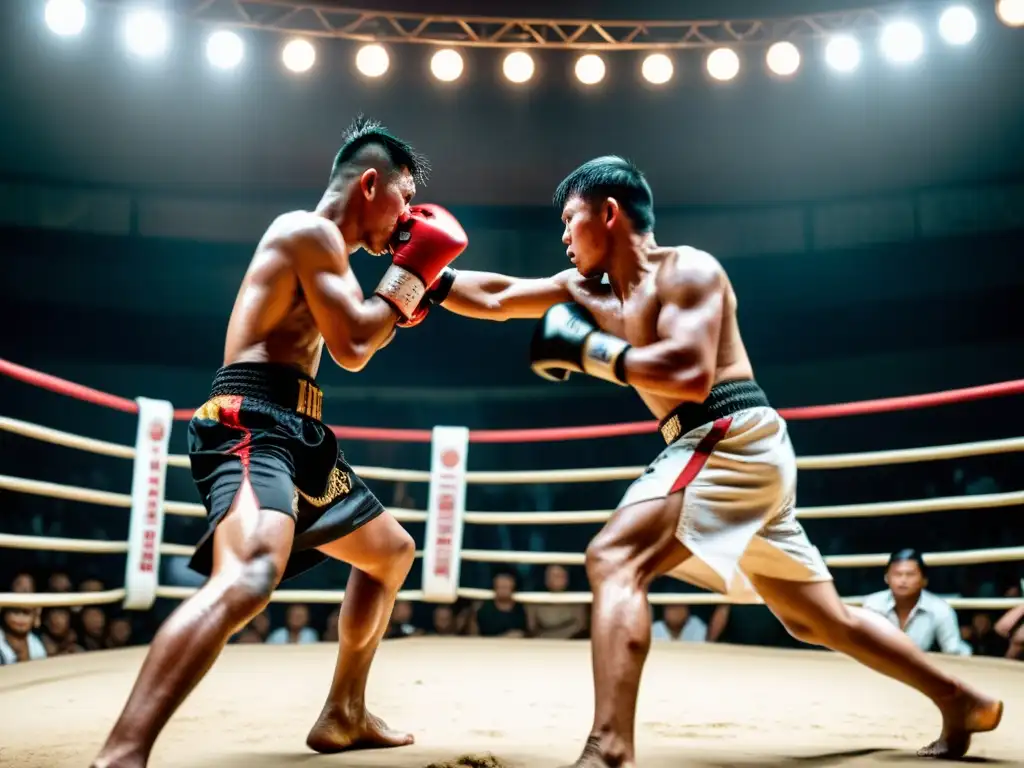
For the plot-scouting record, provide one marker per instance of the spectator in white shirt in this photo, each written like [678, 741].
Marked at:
[924, 617]
[296, 628]
[17, 640]
[679, 625]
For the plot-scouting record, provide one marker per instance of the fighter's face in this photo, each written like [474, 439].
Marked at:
[905, 579]
[586, 236]
[386, 198]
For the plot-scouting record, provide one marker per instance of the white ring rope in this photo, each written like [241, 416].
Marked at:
[710, 598]
[834, 461]
[287, 595]
[403, 515]
[55, 544]
[60, 599]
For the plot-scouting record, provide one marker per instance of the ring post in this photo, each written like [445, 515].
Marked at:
[146, 528]
[449, 449]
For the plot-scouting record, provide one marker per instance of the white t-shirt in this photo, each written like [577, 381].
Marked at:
[36, 649]
[694, 631]
[280, 636]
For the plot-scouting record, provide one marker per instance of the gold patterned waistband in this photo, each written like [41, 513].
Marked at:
[292, 393]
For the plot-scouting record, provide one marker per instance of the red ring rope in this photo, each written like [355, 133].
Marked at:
[883, 405]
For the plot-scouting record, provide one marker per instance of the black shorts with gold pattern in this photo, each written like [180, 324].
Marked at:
[261, 427]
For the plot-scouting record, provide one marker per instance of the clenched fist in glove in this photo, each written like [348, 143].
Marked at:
[436, 294]
[567, 339]
[427, 240]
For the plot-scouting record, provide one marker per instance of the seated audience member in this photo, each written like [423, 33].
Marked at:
[679, 625]
[94, 628]
[443, 621]
[91, 585]
[59, 581]
[1011, 627]
[401, 621]
[296, 628]
[260, 624]
[23, 583]
[59, 636]
[502, 616]
[119, 632]
[18, 642]
[248, 636]
[926, 618]
[557, 620]
[331, 629]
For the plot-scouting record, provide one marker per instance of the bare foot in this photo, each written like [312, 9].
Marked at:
[335, 732]
[966, 714]
[118, 762]
[597, 755]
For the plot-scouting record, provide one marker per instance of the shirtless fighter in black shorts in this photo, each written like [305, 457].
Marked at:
[717, 506]
[279, 495]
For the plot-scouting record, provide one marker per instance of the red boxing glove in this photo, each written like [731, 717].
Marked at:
[426, 241]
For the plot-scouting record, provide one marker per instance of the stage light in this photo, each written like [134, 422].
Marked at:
[723, 64]
[958, 25]
[902, 42]
[65, 17]
[298, 55]
[146, 33]
[783, 59]
[518, 66]
[590, 69]
[1011, 12]
[446, 65]
[843, 53]
[657, 69]
[373, 60]
[225, 49]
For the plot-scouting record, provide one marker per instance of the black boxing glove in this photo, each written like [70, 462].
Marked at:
[437, 293]
[567, 340]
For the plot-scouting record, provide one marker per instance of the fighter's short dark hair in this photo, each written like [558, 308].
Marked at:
[908, 556]
[611, 176]
[364, 132]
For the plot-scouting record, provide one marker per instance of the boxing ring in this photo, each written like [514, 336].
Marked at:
[700, 704]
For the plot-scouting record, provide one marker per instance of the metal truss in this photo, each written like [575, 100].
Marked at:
[327, 19]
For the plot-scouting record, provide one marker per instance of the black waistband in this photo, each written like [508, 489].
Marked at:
[281, 385]
[724, 400]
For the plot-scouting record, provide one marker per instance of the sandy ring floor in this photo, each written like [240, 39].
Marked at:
[528, 702]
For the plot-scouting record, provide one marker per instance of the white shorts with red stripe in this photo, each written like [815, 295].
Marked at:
[738, 475]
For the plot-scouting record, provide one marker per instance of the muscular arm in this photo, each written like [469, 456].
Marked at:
[353, 327]
[493, 296]
[682, 363]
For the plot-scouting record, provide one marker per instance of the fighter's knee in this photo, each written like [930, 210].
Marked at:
[833, 630]
[252, 584]
[606, 559]
[403, 551]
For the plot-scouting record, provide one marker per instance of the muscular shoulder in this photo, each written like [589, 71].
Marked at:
[301, 230]
[687, 272]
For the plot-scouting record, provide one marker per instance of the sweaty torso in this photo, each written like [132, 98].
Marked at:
[271, 321]
[635, 318]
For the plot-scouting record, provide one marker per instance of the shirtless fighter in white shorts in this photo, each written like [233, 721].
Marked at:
[716, 507]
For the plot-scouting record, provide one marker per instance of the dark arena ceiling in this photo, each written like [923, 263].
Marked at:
[83, 110]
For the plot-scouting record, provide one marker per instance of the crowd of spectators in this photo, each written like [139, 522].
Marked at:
[28, 634]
